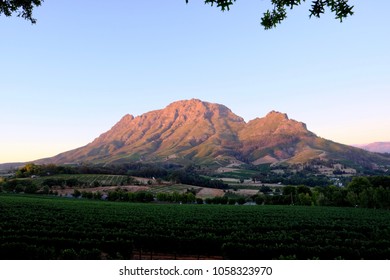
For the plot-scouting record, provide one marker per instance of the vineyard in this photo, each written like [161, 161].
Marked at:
[87, 180]
[170, 189]
[44, 227]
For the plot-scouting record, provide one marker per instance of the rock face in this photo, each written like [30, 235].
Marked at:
[193, 131]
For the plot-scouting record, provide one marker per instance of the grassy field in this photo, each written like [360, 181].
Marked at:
[43, 227]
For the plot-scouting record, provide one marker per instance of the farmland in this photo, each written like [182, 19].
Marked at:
[66, 184]
[86, 180]
[45, 227]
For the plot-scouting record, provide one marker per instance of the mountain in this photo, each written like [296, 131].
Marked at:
[183, 130]
[193, 131]
[376, 147]
[10, 166]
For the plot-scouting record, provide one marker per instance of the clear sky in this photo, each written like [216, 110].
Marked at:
[85, 64]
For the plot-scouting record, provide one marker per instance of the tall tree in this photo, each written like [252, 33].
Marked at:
[278, 13]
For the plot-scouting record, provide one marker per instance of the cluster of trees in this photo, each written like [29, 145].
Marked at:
[42, 170]
[146, 170]
[365, 192]
[88, 195]
[226, 200]
[188, 197]
[46, 187]
[32, 169]
[369, 192]
[121, 195]
[77, 183]
[19, 186]
[176, 197]
[298, 178]
[141, 196]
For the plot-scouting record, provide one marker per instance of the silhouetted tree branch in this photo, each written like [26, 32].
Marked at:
[341, 9]
[278, 13]
[23, 8]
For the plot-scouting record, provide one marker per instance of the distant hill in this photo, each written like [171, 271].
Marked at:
[193, 131]
[377, 147]
[5, 167]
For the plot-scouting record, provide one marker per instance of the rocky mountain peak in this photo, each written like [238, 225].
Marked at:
[276, 115]
[194, 131]
[194, 108]
[274, 123]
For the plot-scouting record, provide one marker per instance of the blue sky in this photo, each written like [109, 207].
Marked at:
[85, 64]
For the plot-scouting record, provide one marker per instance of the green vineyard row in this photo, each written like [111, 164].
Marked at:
[40, 227]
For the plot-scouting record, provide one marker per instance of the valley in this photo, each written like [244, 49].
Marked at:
[144, 211]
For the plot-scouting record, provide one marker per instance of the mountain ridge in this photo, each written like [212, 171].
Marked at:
[376, 147]
[195, 131]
